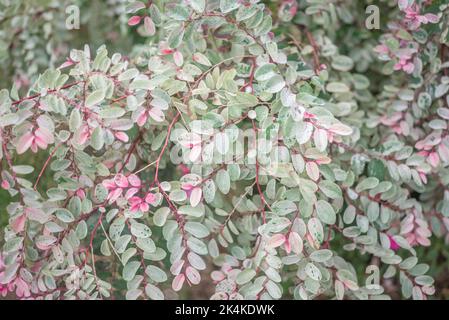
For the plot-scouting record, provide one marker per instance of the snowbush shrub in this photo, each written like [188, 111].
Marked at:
[246, 145]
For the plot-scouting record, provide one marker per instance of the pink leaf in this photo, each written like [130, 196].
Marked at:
[432, 18]
[45, 135]
[150, 29]
[193, 275]
[22, 288]
[176, 267]
[66, 64]
[109, 184]
[131, 192]
[5, 185]
[178, 282]
[134, 20]
[121, 181]
[296, 242]
[156, 114]
[122, 136]
[312, 170]
[150, 198]
[18, 224]
[341, 129]
[433, 159]
[114, 195]
[195, 196]
[276, 240]
[36, 215]
[393, 244]
[84, 135]
[142, 118]
[178, 58]
[217, 276]
[144, 207]
[25, 142]
[134, 180]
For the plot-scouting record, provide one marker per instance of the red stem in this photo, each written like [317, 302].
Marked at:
[46, 164]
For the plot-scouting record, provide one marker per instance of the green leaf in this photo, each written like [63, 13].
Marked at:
[140, 230]
[153, 292]
[81, 230]
[337, 87]
[178, 12]
[228, 5]
[197, 211]
[201, 59]
[128, 74]
[97, 139]
[156, 274]
[141, 84]
[146, 244]
[122, 242]
[101, 193]
[223, 181]
[22, 169]
[284, 207]
[64, 215]
[198, 5]
[104, 248]
[95, 98]
[175, 37]
[366, 184]
[264, 72]
[273, 289]
[342, 63]
[316, 229]
[245, 276]
[325, 212]
[9, 119]
[160, 216]
[133, 294]
[197, 229]
[130, 269]
[75, 120]
[313, 272]
[376, 169]
[275, 84]
[112, 113]
[9, 273]
[246, 12]
[197, 246]
[330, 189]
[321, 255]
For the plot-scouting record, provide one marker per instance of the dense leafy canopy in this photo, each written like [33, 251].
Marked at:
[238, 144]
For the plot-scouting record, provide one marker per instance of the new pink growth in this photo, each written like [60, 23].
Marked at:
[138, 204]
[39, 138]
[382, 49]
[115, 187]
[155, 113]
[404, 64]
[393, 244]
[187, 187]
[5, 185]
[134, 20]
[415, 230]
[122, 136]
[184, 169]
[85, 134]
[415, 19]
